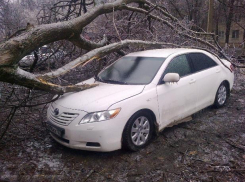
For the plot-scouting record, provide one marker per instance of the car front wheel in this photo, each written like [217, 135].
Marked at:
[221, 95]
[138, 131]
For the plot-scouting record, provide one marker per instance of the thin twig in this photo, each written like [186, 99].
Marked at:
[113, 20]
[9, 119]
[88, 176]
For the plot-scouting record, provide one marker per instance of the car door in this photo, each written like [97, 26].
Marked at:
[206, 72]
[177, 100]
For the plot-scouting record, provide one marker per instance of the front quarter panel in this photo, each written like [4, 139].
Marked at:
[145, 100]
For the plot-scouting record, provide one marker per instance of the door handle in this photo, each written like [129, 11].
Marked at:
[217, 70]
[192, 81]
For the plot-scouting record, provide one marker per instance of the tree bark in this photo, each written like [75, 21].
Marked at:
[16, 48]
[229, 21]
[210, 16]
[13, 50]
[20, 77]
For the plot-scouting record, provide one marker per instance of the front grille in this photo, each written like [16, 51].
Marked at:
[65, 118]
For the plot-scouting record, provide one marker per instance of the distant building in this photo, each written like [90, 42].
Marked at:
[237, 32]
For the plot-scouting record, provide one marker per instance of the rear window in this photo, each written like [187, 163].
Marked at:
[201, 61]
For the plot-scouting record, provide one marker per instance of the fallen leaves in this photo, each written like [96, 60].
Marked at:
[193, 152]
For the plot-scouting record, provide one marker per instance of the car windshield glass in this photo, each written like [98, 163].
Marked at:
[131, 70]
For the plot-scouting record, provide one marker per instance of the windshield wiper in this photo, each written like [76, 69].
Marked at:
[115, 81]
[97, 78]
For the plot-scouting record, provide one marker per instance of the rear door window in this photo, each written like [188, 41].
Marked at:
[201, 61]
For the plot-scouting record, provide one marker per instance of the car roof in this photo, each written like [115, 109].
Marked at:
[162, 52]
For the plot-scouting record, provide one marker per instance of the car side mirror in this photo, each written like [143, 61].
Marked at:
[171, 77]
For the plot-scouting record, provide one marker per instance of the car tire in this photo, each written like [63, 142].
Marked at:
[222, 95]
[138, 131]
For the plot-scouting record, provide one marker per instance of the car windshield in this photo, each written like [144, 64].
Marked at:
[131, 70]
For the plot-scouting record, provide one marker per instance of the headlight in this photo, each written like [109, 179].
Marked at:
[100, 116]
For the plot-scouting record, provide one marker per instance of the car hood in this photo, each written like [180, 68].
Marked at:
[98, 98]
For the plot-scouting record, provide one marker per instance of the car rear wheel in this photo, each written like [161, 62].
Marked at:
[221, 95]
[138, 131]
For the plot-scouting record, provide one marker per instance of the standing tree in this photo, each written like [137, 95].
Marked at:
[231, 12]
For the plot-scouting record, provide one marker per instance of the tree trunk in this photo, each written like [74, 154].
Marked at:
[210, 16]
[229, 21]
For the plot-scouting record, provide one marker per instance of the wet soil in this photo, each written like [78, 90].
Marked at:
[211, 147]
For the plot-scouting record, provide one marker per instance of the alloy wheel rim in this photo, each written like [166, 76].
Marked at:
[140, 131]
[222, 95]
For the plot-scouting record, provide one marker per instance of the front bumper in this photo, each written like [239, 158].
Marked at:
[98, 136]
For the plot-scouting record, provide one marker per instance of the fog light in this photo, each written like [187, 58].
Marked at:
[92, 144]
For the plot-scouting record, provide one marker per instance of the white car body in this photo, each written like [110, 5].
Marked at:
[168, 103]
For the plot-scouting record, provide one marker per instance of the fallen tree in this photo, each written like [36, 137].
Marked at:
[130, 24]
[14, 49]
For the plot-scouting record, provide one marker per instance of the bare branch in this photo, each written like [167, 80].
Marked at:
[174, 19]
[26, 79]
[16, 48]
[8, 120]
[83, 43]
[114, 24]
[170, 25]
[13, 50]
[29, 80]
[100, 52]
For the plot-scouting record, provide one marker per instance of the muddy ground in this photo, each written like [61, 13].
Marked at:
[211, 147]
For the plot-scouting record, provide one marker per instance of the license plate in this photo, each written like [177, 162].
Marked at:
[55, 129]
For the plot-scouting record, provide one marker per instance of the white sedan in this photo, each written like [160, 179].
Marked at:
[137, 97]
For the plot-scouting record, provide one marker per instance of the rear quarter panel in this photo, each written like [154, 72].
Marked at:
[227, 74]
